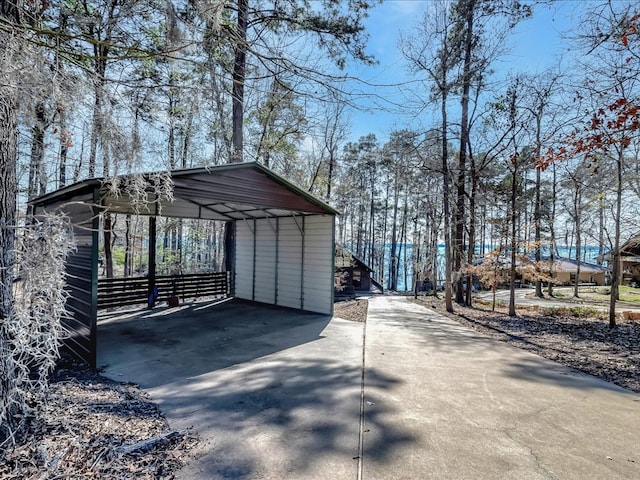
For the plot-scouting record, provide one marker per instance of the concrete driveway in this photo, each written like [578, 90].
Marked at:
[275, 394]
[468, 407]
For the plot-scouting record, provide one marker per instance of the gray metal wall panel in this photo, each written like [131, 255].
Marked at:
[265, 261]
[290, 240]
[81, 280]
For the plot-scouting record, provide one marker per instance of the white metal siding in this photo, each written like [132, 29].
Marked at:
[318, 264]
[293, 262]
[265, 277]
[244, 260]
[290, 262]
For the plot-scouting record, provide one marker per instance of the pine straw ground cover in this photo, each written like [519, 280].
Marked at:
[578, 338]
[92, 427]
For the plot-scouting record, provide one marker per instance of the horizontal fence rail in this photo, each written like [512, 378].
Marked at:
[117, 292]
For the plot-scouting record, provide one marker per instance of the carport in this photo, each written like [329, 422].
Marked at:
[280, 247]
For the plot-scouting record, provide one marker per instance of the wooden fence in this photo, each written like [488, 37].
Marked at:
[117, 292]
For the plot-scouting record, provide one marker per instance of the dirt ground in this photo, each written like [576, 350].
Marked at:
[92, 427]
[573, 338]
[354, 310]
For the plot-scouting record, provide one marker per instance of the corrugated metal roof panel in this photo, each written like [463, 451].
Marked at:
[223, 192]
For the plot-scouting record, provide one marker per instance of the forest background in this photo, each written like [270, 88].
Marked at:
[476, 148]
[488, 155]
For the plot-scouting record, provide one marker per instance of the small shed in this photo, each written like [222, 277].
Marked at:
[280, 249]
[352, 274]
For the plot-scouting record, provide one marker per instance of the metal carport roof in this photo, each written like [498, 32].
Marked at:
[235, 191]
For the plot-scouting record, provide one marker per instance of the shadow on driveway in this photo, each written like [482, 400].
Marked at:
[272, 392]
[159, 346]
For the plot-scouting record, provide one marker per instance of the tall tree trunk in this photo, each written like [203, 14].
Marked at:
[263, 149]
[65, 141]
[435, 230]
[383, 237]
[239, 69]
[600, 227]
[186, 137]
[552, 227]
[107, 226]
[372, 223]
[577, 215]
[171, 140]
[403, 242]
[472, 227]
[464, 141]
[415, 251]
[448, 300]
[128, 251]
[538, 231]
[332, 162]
[393, 256]
[8, 194]
[514, 242]
[37, 178]
[615, 272]
[513, 200]
[537, 213]
[96, 131]
[65, 137]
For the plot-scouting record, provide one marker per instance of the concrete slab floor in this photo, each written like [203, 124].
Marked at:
[277, 394]
[273, 393]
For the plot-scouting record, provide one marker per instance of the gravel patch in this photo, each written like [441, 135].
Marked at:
[354, 310]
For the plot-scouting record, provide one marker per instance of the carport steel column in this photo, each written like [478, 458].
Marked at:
[152, 262]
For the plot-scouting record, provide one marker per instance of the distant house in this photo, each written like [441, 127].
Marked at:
[565, 270]
[353, 276]
[630, 261]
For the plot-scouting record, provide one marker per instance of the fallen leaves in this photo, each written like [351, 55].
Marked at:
[91, 427]
[354, 310]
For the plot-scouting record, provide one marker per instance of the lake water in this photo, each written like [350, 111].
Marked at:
[588, 255]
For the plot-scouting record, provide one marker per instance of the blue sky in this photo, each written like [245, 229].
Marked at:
[536, 44]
